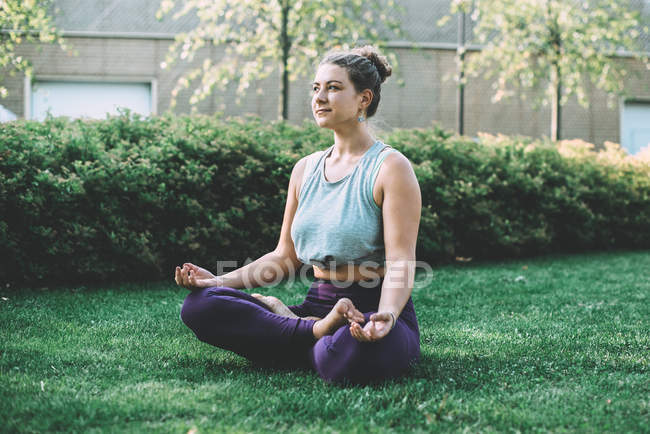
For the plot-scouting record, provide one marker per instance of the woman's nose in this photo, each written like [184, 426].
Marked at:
[320, 95]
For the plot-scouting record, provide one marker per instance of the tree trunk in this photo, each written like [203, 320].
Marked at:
[556, 77]
[286, 46]
[558, 110]
[460, 103]
[556, 107]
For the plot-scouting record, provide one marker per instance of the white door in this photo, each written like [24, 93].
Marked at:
[88, 99]
[635, 126]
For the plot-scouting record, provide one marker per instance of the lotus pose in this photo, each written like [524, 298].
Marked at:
[352, 213]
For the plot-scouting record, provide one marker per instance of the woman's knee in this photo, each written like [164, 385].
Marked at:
[336, 358]
[199, 305]
[341, 359]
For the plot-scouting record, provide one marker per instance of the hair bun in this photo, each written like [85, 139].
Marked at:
[380, 62]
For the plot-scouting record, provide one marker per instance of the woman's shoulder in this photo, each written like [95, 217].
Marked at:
[303, 168]
[394, 159]
[313, 156]
[307, 160]
[394, 166]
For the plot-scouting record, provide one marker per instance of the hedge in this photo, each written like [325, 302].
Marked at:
[127, 198]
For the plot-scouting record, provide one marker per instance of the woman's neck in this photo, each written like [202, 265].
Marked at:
[352, 143]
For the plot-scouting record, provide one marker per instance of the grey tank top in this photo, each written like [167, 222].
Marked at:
[339, 222]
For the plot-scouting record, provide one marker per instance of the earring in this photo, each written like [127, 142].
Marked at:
[361, 118]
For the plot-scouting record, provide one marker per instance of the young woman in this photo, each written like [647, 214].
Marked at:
[353, 213]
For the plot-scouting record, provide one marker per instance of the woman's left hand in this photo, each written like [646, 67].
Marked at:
[380, 325]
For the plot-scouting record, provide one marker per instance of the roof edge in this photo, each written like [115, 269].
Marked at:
[450, 46]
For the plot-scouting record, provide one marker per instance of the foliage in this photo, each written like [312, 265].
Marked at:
[553, 44]
[258, 36]
[24, 21]
[128, 198]
[503, 196]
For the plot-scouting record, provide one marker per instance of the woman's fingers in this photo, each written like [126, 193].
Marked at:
[186, 276]
[177, 275]
[359, 333]
[182, 274]
[376, 328]
[370, 330]
[382, 317]
[380, 328]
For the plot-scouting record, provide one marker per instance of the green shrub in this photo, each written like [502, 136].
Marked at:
[128, 198]
[512, 196]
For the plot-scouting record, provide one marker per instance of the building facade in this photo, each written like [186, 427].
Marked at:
[121, 45]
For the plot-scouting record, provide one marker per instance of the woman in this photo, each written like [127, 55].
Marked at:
[352, 212]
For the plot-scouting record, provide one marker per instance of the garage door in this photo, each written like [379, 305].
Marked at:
[88, 99]
[635, 126]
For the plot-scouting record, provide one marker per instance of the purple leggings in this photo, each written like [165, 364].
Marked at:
[235, 321]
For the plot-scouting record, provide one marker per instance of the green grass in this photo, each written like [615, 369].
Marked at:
[563, 348]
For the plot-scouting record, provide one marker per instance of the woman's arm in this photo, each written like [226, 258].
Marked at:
[265, 270]
[401, 208]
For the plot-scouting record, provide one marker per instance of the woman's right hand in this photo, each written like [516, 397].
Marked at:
[191, 276]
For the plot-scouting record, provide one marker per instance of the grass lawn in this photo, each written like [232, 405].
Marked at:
[564, 347]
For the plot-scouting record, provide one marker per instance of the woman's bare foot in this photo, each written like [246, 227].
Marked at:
[276, 305]
[342, 313]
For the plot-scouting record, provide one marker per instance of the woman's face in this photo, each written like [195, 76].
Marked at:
[335, 102]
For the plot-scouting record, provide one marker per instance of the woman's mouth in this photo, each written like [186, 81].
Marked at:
[321, 111]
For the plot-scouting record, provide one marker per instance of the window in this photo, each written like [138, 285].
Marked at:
[91, 99]
[6, 115]
[635, 126]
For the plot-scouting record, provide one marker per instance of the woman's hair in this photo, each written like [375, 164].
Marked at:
[366, 68]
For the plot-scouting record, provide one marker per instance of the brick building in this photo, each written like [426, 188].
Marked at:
[121, 45]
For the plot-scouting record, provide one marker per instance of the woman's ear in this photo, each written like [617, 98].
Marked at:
[366, 98]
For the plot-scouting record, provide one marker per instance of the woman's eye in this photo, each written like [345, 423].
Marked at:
[330, 87]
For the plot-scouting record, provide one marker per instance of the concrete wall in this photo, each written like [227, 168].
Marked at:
[112, 59]
[424, 97]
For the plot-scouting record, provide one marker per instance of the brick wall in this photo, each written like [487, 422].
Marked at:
[424, 97]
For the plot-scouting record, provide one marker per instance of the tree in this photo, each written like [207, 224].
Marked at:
[24, 21]
[260, 36]
[560, 44]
